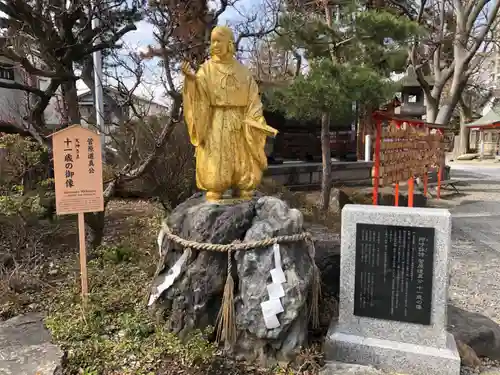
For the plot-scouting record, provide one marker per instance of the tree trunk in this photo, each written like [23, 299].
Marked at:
[327, 161]
[465, 117]
[94, 230]
[463, 146]
[431, 110]
[70, 95]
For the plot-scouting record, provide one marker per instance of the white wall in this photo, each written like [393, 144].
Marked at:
[52, 113]
[13, 103]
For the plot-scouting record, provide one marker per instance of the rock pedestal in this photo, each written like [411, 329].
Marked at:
[189, 285]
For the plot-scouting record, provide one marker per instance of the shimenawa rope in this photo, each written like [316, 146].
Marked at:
[226, 322]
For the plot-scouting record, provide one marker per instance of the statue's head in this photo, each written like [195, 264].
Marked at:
[222, 43]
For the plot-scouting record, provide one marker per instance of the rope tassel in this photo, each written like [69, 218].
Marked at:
[315, 296]
[316, 287]
[226, 320]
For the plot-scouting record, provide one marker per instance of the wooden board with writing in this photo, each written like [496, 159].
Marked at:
[77, 171]
[407, 153]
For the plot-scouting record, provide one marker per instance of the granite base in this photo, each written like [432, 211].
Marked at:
[393, 356]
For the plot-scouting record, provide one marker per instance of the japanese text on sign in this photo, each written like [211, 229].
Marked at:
[78, 174]
[90, 143]
[393, 272]
[68, 163]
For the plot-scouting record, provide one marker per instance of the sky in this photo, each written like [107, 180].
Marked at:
[143, 36]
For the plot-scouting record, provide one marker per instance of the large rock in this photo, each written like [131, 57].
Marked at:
[475, 330]
[25, 347]
[338, 199]
[193, 300]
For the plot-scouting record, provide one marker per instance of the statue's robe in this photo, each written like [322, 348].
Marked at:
[223, 114]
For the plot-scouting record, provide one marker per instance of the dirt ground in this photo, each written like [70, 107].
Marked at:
[113, 334]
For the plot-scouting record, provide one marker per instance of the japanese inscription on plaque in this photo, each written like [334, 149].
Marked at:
[394, 270]
[77, 171]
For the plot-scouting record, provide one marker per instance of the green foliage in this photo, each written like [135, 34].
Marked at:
[370, 37]
[116, 254]
[25, 189]
[331, 87]
[350, 60]
[114, 333]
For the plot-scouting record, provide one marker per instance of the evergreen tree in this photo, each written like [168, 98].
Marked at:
[351, 50]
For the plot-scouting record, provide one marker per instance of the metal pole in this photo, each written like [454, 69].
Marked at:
[98, 89]
[481, 150]
[368, 147]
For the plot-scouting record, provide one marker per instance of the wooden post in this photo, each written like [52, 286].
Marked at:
[438, 192]
[78, 182]
[83, 256]
[376, 169]
[411, 186]
[396, 194]
[426, 181]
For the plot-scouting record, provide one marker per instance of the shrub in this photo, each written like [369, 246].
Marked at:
[26, 189]
[170, 179]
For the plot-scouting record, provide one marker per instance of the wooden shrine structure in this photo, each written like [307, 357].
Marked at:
[404, 150]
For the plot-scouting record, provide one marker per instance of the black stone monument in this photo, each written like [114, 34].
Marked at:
[394, 271]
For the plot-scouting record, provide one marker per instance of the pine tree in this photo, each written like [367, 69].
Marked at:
[351, 50]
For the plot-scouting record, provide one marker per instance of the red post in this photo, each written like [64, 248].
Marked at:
[411, 186]
[396, 194]
[438, 193]
[376, 161]
[426, 181]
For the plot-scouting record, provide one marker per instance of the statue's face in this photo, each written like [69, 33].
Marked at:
[219, 44]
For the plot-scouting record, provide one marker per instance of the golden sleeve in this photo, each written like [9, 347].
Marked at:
[196, 106]
[256, 135]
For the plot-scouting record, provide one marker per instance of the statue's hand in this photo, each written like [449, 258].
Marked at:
[187, 71]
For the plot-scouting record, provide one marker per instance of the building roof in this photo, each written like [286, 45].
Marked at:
[118, 93]
[410, 79]
[490, 119]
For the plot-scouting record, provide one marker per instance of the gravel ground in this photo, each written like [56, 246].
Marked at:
[475, 268]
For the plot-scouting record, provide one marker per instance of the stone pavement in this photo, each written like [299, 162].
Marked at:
[26, 348]
[478, 213]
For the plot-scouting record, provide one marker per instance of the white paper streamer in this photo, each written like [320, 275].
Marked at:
[273, 307]
[275, 291]
[277, 255]
[278, 276]
[271, 321]
[169, 277]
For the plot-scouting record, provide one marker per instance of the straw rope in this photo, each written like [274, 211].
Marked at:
[226, 322]
[235, 246]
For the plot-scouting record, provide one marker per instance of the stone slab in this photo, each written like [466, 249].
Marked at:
[394, 356]
[390, 344]
[432, 335]
[25, 347]
[339, 368]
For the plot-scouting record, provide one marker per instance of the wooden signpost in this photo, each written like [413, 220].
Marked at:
[78, 181]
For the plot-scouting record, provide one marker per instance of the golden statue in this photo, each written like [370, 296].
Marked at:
[223, 114]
